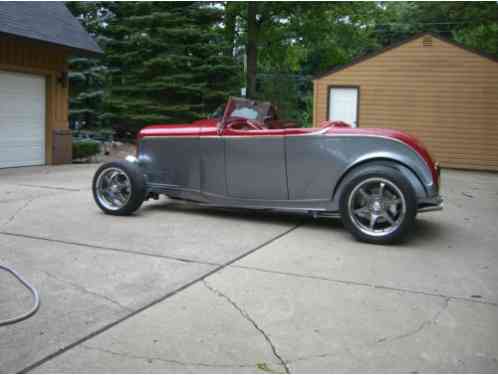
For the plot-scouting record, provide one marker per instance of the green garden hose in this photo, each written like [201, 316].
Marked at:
[34, 293]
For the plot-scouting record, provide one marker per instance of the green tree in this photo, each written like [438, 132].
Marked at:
[475, 24]
[167, 62]
[287, 43]
[87, 75]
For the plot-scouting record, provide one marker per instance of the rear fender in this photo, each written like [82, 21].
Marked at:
[351, 172]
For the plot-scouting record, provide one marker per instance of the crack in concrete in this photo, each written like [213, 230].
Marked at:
[363, 284]
[42, 195]
[419, 328]
[246, 316]
[107, 248]
[28, 202]
[18, 211]
[291, 274]
[49, 187]
[412, 332]
[162, 298]
[86, 291]
[322, 355]
[167, 360]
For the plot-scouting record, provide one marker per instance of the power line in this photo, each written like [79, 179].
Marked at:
[425, 23]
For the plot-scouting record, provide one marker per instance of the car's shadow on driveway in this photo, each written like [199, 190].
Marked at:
[430, 231]
[243, 214]
[424, 231]
[263, 215]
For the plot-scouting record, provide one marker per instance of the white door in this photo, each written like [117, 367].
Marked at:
[22, 119]
[343, 105]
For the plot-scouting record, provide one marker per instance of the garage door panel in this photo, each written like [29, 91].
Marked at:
[33, 154]
[20, 128]
[11, 105]
[10, 158]
[20, 82]
[22, 119]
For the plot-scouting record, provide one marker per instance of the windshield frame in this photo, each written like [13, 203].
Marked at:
[262, 108]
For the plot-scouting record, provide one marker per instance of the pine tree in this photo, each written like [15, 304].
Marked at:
[166, 62]
[86, 80]
[86, 74]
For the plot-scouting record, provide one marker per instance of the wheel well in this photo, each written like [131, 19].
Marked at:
[403, 168]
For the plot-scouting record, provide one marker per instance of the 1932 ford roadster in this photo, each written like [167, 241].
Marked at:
[376, 180]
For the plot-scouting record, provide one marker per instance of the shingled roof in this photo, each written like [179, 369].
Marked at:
[49, 22]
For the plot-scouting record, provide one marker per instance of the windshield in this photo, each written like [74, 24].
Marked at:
[247, 109]
[245, 112]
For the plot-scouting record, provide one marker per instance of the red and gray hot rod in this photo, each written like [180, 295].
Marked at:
[375, 180]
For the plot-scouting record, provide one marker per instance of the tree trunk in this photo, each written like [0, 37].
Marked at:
[251, 49]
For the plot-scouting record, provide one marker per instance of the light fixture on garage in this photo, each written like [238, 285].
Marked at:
[62, 79]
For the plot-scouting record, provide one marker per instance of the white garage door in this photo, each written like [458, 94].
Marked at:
[22, 119]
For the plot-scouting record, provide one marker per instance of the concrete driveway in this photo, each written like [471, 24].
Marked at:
[177, 288]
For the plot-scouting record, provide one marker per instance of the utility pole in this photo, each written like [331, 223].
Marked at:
[251, 49]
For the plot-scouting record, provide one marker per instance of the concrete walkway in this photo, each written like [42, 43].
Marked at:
[177, 288]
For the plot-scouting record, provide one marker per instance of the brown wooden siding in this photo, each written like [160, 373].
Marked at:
[442, 94]
[24, 56]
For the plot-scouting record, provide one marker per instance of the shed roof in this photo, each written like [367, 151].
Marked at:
[398, 44]
[44, 21]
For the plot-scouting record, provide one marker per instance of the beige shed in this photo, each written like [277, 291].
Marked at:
[430, 87]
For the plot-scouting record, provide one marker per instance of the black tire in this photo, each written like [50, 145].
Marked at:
[404, 223]
[136, 180]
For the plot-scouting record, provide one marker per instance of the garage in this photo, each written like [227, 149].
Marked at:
[435, 89]
[22, 119]
[36, 41]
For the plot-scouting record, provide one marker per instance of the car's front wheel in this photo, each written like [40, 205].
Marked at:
[119, 188]
[378, 206]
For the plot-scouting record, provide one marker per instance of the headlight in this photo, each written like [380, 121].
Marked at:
[131, 159]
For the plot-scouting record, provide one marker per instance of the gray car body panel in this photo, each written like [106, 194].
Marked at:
[256, 168]
[291, 172]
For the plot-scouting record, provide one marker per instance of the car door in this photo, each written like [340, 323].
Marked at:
[255, 164]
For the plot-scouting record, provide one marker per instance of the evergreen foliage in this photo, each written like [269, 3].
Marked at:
[87, 76]
[171, 62]
[86, 86]
[166, 62]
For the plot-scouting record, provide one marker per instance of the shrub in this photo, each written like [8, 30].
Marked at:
[85, 149]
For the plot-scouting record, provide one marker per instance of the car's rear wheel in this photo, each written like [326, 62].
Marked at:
[378, 206]
[119, 188]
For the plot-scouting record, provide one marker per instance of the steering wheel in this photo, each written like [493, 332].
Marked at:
[254, 125]
[241, 124]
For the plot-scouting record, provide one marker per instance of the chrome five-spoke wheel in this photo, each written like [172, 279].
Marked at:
[376, 206]
[119, 187]
[113, 188]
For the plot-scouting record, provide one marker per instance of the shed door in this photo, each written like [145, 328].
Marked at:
[22, 119]
[343, 105]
